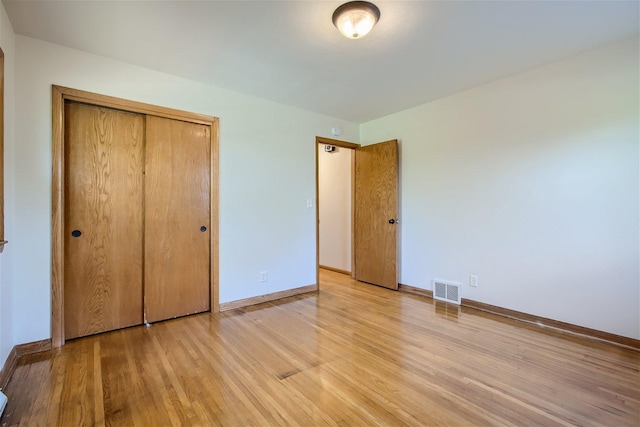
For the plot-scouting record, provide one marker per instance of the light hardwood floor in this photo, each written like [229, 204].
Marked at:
[352, 354]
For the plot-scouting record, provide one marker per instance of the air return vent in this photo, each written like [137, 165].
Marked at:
[447, 291]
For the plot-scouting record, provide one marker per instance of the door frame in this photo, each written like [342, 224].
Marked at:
[351, 146]
[59, 96]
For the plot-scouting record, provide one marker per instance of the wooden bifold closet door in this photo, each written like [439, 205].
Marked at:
[137, 219]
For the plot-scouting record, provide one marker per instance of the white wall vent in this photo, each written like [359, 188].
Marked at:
[444, 290]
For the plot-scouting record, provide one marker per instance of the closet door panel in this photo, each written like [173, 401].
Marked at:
[103, 219]
[177, 216]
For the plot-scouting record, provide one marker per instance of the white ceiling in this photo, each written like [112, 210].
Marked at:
[290, 52]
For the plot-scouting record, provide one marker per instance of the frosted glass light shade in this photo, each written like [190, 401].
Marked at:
[355, 19]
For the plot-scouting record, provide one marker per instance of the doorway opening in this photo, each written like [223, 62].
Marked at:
[357, 235]
[335, 189]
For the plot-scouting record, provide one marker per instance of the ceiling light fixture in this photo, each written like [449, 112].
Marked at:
[356, 18]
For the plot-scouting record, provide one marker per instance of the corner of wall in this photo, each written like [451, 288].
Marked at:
[7, 43]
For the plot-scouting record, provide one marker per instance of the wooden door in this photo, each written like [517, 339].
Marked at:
[177, 216]
[376, 212]
[103, 219]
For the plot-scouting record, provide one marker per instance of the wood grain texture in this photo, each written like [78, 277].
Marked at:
[538, 321]
[544, 322]
[337, 270]
[77, 95]
[104, 155]
[376, 202]
[246, 302]
[60, 95]
[416, 291]
[8, 368]
[215, 215]
[33, 347]
[177, 204]
[336, 142]
[352, 354]
[353, 214]
[57, 219]
[16, 353]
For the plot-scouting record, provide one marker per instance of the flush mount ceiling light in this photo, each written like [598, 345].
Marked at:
[356, 18]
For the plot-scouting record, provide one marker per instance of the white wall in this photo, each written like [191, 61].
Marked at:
[334, 194]
[266, 175]
[532, 183]
[7, 42]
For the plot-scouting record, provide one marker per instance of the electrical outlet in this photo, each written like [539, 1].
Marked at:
[473, 280]
[309, 203]
[263, 276]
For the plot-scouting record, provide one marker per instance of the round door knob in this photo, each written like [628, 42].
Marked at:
[392, 221]
[76, 233]
[203, 228]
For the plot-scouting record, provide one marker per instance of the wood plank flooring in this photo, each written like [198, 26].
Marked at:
[352, 354]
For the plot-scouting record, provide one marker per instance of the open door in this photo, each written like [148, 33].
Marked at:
[376, 212]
